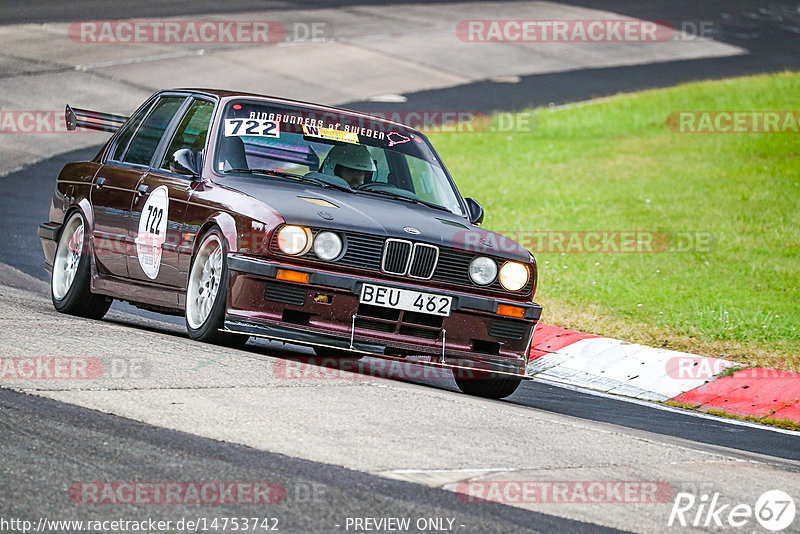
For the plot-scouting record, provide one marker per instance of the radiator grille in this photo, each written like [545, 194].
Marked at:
[508, 329]
[396, 256]
[417, 260]
[362, 251]
[423, 261]
[416, 331]
[284, 293]
[369, 252]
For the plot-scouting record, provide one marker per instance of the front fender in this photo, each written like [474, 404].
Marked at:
[226, 223]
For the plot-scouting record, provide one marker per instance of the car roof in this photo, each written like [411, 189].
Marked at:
[226, 94]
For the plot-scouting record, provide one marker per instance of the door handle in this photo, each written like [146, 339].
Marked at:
[100, 182]
[142, 189]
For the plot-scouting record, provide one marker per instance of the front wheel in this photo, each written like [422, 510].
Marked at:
[70, 281]
[206, 292]
[487, 385]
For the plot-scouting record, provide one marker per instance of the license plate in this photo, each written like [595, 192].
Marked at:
[405, 299]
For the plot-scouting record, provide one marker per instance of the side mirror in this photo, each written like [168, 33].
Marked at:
[185, 161]
[474, 210]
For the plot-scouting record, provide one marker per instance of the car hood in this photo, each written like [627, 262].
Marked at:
[321, 207]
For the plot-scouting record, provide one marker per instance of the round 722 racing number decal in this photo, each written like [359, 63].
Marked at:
[152, 231]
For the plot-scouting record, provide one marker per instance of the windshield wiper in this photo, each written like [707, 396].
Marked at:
[406, 198]
[284, 174]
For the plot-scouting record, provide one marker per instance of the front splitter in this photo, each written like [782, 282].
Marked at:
[314, 339]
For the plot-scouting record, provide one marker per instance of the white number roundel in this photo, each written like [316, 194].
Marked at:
[152, 231]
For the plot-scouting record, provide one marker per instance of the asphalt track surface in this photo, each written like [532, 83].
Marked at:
[39, 11]
[26, 194]
[45, 440]
[64, 443]
[769, 31]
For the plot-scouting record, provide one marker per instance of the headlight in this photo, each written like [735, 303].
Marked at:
[294, 240]
[483, 270]
[513, 276]
[327, 246]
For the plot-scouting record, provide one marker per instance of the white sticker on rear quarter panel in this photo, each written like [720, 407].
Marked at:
[152, 231]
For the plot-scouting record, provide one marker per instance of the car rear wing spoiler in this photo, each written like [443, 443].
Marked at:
[92, 120]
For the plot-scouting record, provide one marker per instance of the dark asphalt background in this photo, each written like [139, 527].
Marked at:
[46, 445]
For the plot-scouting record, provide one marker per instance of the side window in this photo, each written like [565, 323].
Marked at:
[144, 143]
[192, 131]
[126, 134]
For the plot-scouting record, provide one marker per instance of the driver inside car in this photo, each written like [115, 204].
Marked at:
[352, 163]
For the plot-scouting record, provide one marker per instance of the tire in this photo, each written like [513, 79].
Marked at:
[489, 386]
[340, 354]
[70, 280]
[206, 292]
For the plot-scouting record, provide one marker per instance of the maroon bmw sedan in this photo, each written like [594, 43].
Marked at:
[259, 216]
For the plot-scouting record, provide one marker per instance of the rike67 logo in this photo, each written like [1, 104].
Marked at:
[774, 510]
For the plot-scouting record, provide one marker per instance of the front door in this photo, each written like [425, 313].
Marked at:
[158, 209]
[116, 185]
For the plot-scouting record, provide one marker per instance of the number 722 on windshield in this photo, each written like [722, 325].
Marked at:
[251, 128]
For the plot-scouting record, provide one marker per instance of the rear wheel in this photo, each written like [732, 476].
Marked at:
[487, 385]
[70, 281]
[206, 293]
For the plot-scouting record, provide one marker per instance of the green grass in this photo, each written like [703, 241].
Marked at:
[613, 165]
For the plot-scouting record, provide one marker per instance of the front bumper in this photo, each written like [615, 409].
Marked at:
[473, 336]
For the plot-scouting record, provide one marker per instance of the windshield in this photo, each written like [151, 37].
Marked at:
[332, 149]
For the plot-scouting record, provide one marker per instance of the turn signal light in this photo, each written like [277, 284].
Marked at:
[510, 311]
[292, 276]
